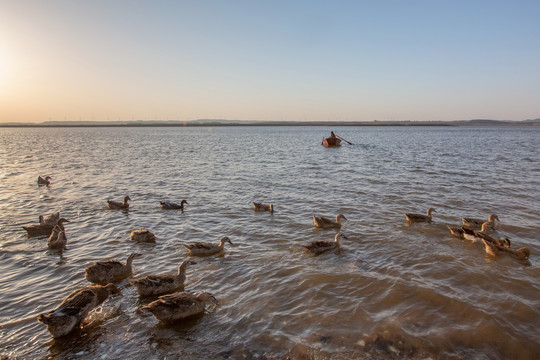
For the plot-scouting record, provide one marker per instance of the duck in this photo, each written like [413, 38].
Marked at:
[456, 231]
[58, 238]
[494, 249]
[44, 181]
[326, 223]
[44, 227]
[179, 306]
[477, 223]
[412, 218]
[142, 235]
[159, 284]
[109, 271]
[482, 235]
[206, 248]
[115, 205]
[167, 205]
[69, 315]
[263, 207]
[318, 247]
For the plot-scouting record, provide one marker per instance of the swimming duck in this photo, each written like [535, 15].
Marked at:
[74, 309]
[58, 238]
[326, 223]
[456, 231]
[477, 223]
[167, 205]
[180, 305]
[142, 235]
[482, 235]
[495, 250]
[44, 227]
[159, 284]
[206, 248]
[419, 217]
[44, 181]
[109, 271]
[318, 247]
[114, 205]
[263, 207]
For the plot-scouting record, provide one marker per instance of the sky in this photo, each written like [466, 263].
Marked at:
[102, 60]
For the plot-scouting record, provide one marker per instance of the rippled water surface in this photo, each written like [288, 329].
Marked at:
[390, 291]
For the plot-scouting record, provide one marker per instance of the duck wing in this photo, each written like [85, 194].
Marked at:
[169, 205]
[416, 217]
[79, 299]
[200, 245]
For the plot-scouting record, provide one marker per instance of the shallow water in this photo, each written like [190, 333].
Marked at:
[391, 290]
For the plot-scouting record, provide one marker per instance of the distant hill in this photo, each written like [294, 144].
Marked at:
[225, 122]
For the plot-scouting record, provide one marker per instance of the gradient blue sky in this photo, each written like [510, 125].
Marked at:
[269, 60]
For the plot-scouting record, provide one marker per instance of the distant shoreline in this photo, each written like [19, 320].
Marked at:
[220, 123]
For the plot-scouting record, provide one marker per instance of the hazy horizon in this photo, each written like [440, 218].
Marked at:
[278, 61]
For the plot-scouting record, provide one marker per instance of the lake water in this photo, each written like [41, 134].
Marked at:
[390, 291]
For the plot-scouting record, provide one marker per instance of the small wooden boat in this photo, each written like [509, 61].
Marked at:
[331, 142]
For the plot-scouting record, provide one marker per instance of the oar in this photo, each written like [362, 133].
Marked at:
[348, 142]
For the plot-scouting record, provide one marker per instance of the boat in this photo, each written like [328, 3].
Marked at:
[331, 142]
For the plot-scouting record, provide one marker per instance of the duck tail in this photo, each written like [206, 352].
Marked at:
[43, 318]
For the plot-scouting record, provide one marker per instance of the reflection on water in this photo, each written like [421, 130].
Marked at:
[390, 290]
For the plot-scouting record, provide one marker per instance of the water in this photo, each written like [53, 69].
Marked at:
[390, 291]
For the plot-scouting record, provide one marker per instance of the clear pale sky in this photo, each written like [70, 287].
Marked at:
[269, 60]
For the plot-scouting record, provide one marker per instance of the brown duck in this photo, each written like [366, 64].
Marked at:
[179, 306]
[159, 284]
[263, 207]
[413, 218]
[116, 205]
[318, 247]
[109, 271]
[44, 181]
[58, 238]
[326, 223]
[206, 248]
[73, 310]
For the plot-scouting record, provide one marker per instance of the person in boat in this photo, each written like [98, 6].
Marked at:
[332, 134]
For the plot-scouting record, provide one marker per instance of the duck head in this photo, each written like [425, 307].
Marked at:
[340, 236]
[223, 240]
